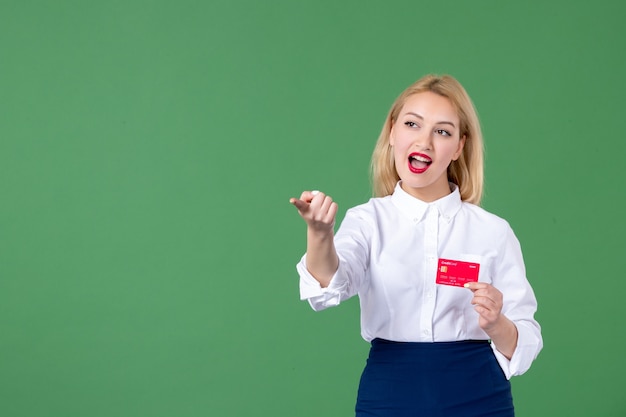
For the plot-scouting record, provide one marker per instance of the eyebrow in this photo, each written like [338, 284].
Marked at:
[444, 122]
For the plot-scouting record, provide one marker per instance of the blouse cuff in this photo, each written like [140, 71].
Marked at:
[525, 352]
[310, 289]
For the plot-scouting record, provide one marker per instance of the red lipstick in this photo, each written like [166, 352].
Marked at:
[419, 162]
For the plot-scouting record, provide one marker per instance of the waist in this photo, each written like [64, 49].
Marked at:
[391, 344]
[469, 351]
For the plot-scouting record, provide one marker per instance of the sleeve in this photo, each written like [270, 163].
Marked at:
[352, 246]
[519, 306]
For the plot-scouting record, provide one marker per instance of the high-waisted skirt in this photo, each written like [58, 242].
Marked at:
[441, 379]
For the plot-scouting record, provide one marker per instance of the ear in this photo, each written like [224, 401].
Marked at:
[459, 150]
[391, 136]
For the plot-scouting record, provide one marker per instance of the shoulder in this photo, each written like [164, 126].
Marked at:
[375, 211]
[373, 208]
[477, 214]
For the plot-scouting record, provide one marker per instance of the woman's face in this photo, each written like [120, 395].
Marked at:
[425, 139]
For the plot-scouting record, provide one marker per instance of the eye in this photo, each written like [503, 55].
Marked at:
[443, 132]
[411, 124]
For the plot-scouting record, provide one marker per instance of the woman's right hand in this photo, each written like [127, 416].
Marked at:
[317, 209]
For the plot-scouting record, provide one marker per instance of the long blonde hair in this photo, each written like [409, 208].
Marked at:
[466, 171]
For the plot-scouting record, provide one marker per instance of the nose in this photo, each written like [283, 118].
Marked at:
[423, 140]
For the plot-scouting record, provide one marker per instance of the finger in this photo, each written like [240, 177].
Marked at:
[486, 310]
[482, 311]
[327, 211]
[319, 204]
[325, 206]
[485, 302]
[491, 293]
[483, 292]
[308, 196]
[305, 199]
[300, 205]
[486, 317]
[332, 212]
[475, 285]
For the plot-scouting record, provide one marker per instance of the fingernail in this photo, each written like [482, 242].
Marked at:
[466, 285]
[315, 192]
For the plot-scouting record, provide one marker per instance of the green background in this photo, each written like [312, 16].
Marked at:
[148, 150]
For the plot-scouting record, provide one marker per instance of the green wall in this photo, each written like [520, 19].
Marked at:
[148, 150]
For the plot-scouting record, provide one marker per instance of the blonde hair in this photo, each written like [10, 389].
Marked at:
[466, 171]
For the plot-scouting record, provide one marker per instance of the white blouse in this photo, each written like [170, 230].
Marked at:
[388, 252]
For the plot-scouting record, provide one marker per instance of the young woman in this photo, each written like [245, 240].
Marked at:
[444, 297]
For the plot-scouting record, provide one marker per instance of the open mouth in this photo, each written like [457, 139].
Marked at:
[418, 162]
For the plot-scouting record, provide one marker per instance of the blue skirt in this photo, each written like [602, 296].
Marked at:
[441, 379]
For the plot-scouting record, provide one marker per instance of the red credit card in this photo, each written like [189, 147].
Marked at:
[456, 273]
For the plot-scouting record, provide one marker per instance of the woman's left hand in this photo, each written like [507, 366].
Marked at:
[487, 302]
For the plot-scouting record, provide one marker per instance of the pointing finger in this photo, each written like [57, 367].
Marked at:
[299, 204]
